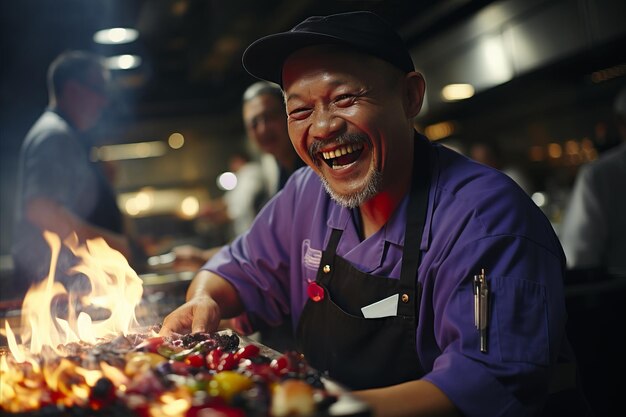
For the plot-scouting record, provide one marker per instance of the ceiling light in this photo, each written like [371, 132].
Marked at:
[114, 36]
[540, 198]
[121, 152]
[453, 92]
[190, 206]
[176, 140]
[123, 62]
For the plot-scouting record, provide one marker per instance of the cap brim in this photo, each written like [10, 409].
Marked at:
[265, 57]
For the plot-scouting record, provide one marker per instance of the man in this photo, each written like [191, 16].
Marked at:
[378, 272]
[266, 126]
[60, 189]
[263, 113]
[594, 228]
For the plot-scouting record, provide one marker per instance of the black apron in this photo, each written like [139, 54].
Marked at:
[332, 333]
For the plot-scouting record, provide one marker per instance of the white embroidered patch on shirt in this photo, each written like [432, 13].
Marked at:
[311, 258]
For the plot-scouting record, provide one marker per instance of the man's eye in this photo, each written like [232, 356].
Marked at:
[299, 113]
[345, 99]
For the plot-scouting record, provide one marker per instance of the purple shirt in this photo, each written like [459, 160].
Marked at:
[477, 218]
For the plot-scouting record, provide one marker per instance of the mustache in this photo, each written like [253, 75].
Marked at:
[345, 139]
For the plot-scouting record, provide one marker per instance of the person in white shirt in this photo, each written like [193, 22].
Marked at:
[593, 232]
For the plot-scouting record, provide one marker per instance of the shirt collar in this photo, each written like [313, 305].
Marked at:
[340, 217]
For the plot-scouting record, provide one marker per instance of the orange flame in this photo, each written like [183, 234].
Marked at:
[33, 374]
[115, 287]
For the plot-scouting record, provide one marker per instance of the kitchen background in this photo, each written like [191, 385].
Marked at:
[538, 80]
[544, 74]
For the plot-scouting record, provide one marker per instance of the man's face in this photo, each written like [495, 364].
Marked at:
[266, 123]
[88, 98]
[348, 120]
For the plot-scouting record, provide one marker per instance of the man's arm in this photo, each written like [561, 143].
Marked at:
[209, 299]
[414, 398]
[52, 216]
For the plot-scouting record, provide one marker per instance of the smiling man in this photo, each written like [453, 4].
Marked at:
[350, 120]
[428, 283]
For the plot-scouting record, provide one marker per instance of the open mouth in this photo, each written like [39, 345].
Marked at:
[342, 156]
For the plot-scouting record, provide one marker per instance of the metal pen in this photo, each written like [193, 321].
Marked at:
[483, 310]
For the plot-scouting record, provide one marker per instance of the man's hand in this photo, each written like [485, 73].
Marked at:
[52, 216]
[199, 314]
[209, 298]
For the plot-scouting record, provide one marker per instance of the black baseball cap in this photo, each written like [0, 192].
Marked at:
[363, 31]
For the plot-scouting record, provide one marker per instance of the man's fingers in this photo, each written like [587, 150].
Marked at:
[168, 327]
[197, 316]
[199, 325]
[165, 331]
[200, 321]
[176, 322]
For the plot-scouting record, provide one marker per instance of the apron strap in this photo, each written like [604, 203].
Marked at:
[328, 254]
[410, 290]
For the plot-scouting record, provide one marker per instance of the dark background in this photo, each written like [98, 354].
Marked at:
[545, 71]
[551, 78]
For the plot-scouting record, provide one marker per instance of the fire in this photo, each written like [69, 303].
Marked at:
[36, 373]
[115, 287]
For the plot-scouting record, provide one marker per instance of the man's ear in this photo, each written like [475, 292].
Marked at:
[415, 87]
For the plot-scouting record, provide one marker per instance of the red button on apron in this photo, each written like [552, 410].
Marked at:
[315, 292]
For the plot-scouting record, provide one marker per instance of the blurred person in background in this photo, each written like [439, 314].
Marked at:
[239, 205]
[593, 232]
[59, 188]
[235, 209]
[244, 201]
[593, 235]
[265, 121]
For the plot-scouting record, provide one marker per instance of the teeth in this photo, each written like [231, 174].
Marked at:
[343, 150]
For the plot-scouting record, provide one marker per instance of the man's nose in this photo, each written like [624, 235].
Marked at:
[261, 125]
[325, 125]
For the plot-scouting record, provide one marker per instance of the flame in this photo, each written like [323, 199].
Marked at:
[172, 404]
[115, 287]
[37, 372]
[114, 374]
[13, 346]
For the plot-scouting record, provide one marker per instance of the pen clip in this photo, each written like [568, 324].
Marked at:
[476, 299]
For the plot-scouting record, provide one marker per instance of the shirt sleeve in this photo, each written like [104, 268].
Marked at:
[525, 329]
[50, 170]
[584, 230]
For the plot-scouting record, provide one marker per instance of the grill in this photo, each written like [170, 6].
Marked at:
[142, 374]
